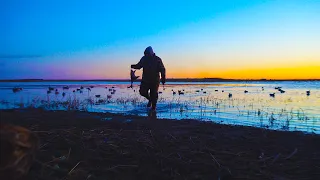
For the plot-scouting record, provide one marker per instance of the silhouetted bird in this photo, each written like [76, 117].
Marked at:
[174, 93]
[74, 91]
[308, 93]
[282, 91]
[230, 95]
[97, 96]
[16, 89]
[216, 90]
[78, 89]
[181, 93]
[272, 94]
[245, 91]
[160, 92]
[81, 87]
[197, 91]
[222, 91]
[204, 92]
[133, 77]
[88, 89]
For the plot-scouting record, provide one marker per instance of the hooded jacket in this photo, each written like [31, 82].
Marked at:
[152, 65]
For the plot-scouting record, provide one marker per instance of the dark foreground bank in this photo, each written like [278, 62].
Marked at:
[79, 145]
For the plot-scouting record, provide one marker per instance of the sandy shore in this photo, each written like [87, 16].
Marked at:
[80, 145]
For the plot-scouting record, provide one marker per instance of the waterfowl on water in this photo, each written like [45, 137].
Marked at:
[230, 95]
[245, 91]
[216, 90]
[174, 93]
[81, 87]
[16, 89]
[88, 89]
[272, 94]
[308, 93]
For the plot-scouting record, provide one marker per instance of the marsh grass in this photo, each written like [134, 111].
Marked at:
[202, 106]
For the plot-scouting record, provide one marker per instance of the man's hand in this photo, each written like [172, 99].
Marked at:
[163, 80]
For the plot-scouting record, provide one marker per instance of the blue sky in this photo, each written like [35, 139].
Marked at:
[62, 39]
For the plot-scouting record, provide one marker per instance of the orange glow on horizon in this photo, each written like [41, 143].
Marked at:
[305, 72]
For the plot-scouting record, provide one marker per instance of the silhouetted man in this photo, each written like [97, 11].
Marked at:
[152, 65]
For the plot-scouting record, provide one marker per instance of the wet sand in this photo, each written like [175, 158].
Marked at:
[81, 145]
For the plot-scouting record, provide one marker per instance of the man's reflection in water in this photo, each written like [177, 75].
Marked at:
[152, 115]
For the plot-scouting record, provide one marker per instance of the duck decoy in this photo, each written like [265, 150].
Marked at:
[308, 93]
[16, 89]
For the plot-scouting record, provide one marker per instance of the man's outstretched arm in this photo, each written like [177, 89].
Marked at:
[138, 65]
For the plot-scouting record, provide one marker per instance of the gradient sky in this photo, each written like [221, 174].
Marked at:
[97, 39]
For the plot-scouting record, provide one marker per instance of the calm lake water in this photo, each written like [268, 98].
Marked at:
[291, 110]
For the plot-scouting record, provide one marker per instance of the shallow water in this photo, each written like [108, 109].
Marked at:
[292, 110]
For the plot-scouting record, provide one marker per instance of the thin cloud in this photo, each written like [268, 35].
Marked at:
[18, 56]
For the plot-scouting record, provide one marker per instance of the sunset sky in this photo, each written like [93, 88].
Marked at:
[99, 39]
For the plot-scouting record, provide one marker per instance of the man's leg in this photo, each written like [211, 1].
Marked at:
[144, 91]
[154, 95]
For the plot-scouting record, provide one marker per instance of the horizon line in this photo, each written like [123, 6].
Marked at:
[168, 79]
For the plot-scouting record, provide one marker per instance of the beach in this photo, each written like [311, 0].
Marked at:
[83, 145]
